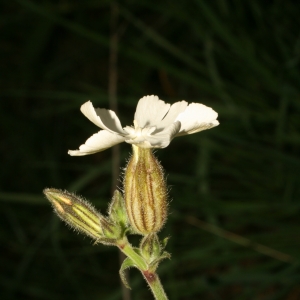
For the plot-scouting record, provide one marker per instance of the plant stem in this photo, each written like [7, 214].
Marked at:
[150, 276]
[155, 285]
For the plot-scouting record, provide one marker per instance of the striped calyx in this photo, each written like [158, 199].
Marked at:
[145, 192]
[76, 212]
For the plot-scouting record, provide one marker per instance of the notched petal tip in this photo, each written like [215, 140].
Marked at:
[150, 111]
[197, 117]
[175, 110]
[104, 118]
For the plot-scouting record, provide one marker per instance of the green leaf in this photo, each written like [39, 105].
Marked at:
[127, 263]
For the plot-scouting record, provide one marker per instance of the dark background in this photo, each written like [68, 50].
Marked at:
[241, 179]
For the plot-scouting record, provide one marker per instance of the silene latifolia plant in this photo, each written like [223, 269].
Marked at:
[142, 208]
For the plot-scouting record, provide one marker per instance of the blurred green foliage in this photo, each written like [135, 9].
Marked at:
[239, 57]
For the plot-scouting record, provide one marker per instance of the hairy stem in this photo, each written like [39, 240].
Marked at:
[155, 285]
[150, 276]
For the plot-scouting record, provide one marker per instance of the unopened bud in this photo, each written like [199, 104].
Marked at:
[76, 212]
[145, 192]
[117, 212]
[150, 247]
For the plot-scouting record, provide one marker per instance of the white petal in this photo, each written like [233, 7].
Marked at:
[150, 111]
[163, 139]
[160, 140]
[172, 114]
[104, 118]
[197, 117]
[98, 142]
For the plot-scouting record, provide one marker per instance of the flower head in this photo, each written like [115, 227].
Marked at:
[156, 123]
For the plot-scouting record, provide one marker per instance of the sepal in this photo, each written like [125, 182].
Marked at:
[164, 242]
[154, 264]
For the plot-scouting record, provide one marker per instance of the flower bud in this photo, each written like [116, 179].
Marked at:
[145, 192]
[117, 212]
[76, 212]
[150, 247]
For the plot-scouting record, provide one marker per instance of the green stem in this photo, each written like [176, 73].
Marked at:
[155, 285]
[127, 249]
[150, 276]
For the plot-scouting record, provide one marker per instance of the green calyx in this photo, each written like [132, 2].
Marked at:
[117, 211]
[145, 192]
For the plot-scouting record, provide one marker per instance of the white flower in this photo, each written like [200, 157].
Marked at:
[156, 123]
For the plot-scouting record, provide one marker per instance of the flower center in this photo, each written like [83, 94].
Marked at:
[138, 132]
